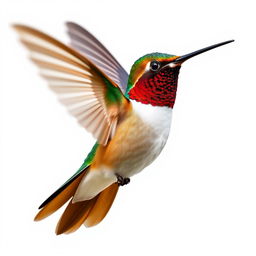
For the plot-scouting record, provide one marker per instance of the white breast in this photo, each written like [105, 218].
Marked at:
[159, 118]
[152, 137]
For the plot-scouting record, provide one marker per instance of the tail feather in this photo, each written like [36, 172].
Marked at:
[74, 216]
[59, 198]
[89, 212]
[102, 206]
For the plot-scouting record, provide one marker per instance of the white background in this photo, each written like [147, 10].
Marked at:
[199, 196]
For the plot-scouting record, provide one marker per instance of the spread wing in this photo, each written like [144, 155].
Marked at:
[89, 94]
[89, 46]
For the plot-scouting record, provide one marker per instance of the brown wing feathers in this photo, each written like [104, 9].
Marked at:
[78, 82]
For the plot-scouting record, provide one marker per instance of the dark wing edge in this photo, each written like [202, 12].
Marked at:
[88, 45]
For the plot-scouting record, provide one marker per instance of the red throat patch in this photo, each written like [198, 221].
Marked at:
[157, 89]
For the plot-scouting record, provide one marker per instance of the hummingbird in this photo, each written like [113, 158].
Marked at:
[128, 115]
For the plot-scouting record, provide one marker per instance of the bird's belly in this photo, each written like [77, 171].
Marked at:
[142, 152]
[136, 144]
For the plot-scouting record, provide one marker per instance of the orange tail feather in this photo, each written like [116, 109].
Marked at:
[102, 206]
[89, 212]
[74, 216]
[60, 199]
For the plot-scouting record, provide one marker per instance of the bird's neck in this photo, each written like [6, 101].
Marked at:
[159, 90]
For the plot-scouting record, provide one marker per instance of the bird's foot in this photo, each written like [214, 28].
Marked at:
[121, 181]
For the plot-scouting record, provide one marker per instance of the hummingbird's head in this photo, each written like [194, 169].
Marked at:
[153, 78]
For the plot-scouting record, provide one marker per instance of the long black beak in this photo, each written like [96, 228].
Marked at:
[192, 54]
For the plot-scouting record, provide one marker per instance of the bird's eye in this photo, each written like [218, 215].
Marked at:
[154, 65]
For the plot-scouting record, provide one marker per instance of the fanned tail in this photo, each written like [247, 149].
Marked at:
[89, 212]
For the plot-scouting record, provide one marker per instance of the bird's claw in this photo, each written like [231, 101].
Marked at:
[121, 181]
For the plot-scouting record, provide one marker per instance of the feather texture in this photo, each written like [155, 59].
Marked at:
[74, 216]
[87, 44]
[89, 212]
[59, 198]
[80, 85]
[102, 205]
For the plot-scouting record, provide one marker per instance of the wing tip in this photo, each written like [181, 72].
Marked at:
[17, 27]
[71, 24]
[21, 27]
